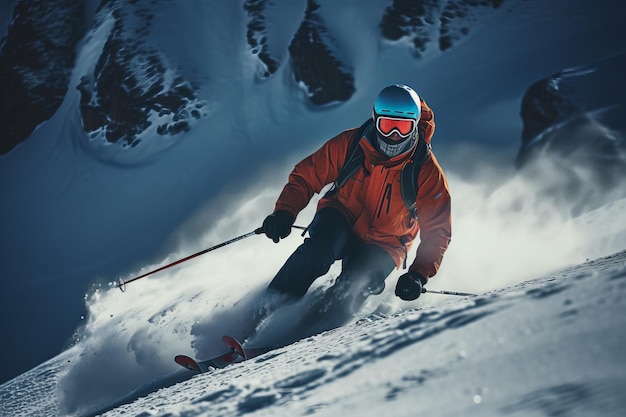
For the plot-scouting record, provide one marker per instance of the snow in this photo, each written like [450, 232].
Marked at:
[548, 346]
[537, 340]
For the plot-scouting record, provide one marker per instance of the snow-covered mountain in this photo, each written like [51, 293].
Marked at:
[132, 85]
[143, 131]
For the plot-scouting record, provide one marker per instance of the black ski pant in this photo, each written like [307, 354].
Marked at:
[364, 266]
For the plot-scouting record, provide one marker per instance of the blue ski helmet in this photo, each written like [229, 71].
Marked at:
[399, 101]
[397, 108]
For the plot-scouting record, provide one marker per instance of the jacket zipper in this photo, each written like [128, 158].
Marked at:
[384, 195]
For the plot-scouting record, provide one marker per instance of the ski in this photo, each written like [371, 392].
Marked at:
[188, 362]
[237, 353]
[217, 362]
[244, 353]
[235, 346]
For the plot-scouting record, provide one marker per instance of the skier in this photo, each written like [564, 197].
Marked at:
[365, 222]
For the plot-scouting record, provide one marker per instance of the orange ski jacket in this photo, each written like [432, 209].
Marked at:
[371, 199]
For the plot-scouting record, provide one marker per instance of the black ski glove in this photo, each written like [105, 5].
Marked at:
[277, 225]
[410, 285]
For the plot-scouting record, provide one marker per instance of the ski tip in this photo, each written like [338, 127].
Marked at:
[187, 362]
[234, 345]
[229, 339]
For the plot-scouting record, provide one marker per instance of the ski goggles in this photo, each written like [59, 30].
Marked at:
[387, 125]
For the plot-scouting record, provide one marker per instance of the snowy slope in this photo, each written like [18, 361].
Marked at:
[81, 211]
[548, 346]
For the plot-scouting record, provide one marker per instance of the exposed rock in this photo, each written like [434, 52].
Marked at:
[429, 22]
[544, 105]
[416, 20]
[315, 63]
[256, 34]
[133, 84]
[36, 61]
[556, 101]
[458, 16]
[576, 133]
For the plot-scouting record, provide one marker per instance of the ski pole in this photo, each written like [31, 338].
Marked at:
[461, 294]
[121, 284]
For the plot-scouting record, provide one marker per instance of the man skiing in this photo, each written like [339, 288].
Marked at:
[365, 222]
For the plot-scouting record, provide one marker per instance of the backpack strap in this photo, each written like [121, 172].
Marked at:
[408, 177]
[410, 173]
[354, 158]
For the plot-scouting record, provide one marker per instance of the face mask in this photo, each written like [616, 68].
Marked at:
[394, 149]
